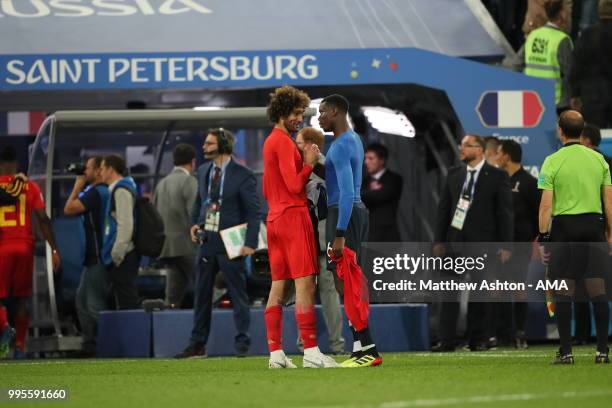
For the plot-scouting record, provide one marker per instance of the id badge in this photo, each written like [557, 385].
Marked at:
[460, 213]
[212, 217]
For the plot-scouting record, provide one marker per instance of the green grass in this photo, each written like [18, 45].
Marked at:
[502, 378]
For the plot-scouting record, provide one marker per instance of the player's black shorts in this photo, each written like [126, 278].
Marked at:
[578, 247]
[356, 232]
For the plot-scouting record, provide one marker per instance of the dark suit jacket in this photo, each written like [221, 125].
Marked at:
[490, 217]
[240, 204]
[382, 205]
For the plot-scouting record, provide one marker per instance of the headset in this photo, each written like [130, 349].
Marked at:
[223, 142]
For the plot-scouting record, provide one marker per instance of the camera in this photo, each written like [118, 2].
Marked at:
[76, 168]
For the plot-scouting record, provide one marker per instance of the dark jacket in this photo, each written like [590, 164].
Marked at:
[240, 204]
[591, 76]
[592, 57]
[382, 205]
[490, 217]
[526, 203]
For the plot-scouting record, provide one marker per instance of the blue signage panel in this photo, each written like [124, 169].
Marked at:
[487, 100]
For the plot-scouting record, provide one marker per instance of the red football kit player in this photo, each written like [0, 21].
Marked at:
[16, 250]
[17, 240]
[292, 248]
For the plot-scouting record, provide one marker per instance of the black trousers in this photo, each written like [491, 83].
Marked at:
[478, 318]
[123, 282]
[356, 232]
[235, 279]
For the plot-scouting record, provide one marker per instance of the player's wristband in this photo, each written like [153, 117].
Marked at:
[340, 233]
[543, 237]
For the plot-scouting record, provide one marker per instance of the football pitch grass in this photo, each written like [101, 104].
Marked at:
[502, 378]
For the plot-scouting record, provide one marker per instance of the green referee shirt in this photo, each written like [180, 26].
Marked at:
[575, 174]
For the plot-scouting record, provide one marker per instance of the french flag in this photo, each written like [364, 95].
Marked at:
[510, 109]
[20, 123]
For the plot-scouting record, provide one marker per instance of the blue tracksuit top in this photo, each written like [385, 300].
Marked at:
[343, 167]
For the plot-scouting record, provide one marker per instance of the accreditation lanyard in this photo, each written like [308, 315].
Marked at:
[213, 208]
[463, 205]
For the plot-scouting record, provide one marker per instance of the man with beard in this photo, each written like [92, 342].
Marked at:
[475, 206]
[226, 197]
[291, 245]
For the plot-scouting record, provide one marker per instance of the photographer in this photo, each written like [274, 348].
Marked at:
[226, 197]
[89, 198]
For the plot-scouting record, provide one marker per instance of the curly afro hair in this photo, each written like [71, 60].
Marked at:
[284, 100]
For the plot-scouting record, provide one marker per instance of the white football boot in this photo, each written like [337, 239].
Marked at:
[313, 358]
[278, 359]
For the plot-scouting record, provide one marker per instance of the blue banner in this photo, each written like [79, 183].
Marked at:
[487, 100]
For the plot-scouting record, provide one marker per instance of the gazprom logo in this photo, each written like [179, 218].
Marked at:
[88, 8]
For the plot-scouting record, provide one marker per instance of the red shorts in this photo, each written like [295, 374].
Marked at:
[16, 269]
[291, 245]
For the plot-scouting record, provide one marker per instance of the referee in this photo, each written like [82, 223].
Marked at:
[574, 180]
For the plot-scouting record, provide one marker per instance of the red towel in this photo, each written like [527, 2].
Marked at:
[356, 296]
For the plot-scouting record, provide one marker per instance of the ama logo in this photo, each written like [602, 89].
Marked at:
[510, 109]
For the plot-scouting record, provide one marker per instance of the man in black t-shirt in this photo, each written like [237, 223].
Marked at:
[526, 202]
[89, 198]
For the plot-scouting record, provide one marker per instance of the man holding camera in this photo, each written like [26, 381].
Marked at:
[89, 198]
[226, 197]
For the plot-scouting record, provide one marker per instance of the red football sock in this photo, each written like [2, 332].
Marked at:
[21, 327]
[3, 318]
[274, 326]
[307, 324]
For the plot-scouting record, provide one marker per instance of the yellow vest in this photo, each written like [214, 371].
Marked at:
[541, 60]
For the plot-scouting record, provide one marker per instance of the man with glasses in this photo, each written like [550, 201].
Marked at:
[226, 197]
[475, 206]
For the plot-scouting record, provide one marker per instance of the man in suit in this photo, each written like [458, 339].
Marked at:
[174, 198]
[380, 192]
[489, 218]
[226, 197]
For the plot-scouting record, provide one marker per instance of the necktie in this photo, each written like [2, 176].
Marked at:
[215, 185]
[468, 191]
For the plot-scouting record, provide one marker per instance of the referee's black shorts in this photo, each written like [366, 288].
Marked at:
[578, 247]
[356, 232]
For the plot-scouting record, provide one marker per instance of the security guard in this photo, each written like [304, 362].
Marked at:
[548, 53]
[573, 181]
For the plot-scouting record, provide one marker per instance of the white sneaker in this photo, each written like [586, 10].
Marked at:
[313, 358]
[278, 359]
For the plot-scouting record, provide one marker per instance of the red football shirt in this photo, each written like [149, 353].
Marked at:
[285, 174]
[16, 220]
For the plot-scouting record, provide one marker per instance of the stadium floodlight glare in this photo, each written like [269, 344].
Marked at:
[389, 121]
[207, 108]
